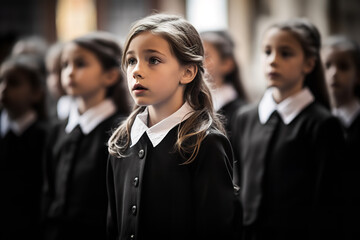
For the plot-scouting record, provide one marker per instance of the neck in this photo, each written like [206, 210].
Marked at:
[85, 103]
[279, 95]
[158, 113]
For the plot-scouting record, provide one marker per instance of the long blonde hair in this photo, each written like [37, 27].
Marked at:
[186, 45]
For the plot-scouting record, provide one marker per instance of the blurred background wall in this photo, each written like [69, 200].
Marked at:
[61, 20]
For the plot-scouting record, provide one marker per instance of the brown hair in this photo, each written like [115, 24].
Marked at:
[186, 45]
[109, 53]
[310, 40]
[224, 45]
[26, 65]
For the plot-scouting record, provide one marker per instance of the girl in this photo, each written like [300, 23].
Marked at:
[287, 145]
[228, 93]
[169, 172]
[58, 102]
[22, 134]
[342, 67]
[75, 201]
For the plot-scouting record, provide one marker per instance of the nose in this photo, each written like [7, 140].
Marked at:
[272, 59]
[3, 87]
[137, 71]
[68, 70]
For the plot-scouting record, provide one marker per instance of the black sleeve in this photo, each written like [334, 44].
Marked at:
[112, 231]
[217, 208]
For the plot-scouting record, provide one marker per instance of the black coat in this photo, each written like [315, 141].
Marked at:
[228, 111]
[20, 182]
[288, 173]
[351, 182]
[75, 198]
[153, 196]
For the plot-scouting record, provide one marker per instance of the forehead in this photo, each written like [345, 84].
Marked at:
[74, 50]
[149, 41]
[278, 37]
[336, 53]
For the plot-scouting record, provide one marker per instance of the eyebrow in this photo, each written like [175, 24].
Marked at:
[146, 51]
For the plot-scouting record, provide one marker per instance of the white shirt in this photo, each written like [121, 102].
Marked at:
[288, 109]
[223, 95]
[64, 106]
[159, 131]
[348, 112]
[91, 118]
[19, 125]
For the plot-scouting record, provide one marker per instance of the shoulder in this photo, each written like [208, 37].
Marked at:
[317, 114]
[215, 141]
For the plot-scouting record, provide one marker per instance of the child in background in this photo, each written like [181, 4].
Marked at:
[288, 146]
[170, 166]
[75, 198]
[58, 102]
[228, 92]
[341, 57]
[22, 133]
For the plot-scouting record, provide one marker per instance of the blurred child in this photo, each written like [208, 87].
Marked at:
[341, 57]
[58, 102]
[22, 134]
[288, 146]
[228, 91]
[75, 198]
[170, 169]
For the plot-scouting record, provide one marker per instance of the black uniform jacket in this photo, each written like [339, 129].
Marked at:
[75, 197]
[228, 111]
[288, 173]
[154, 196]
[351, 182]
[21, 182]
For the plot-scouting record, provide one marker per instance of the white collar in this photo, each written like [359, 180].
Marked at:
[223, 95]
[348, 112]
[19, 125]
[158, 132]
[64, 106]
[288, 109]
[91, 118]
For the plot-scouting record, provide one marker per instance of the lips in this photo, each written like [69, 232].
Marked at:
[138, 87]
[273, 75]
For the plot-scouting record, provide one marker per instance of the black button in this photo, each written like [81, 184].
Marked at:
[132, 236]
[136, 181]
[133, 209]
[141, 153]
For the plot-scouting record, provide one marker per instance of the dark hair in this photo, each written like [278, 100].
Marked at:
[310, 40]
[346, 44]
[26, 65]
[109, 53]
[224, 45]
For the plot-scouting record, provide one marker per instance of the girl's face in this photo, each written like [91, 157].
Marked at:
[154, 74]
[16, 93]
[82, 74]
[341, 75]
[215, 65]
[284, 63]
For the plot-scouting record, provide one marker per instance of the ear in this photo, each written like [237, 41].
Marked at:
[111, 76]
[227, 65]
[309, 65]
[189, 74]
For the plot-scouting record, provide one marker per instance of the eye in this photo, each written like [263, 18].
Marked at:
[286, 53]
[327, 65]
[131, 61]
[64, 65]
[80, 63]
[344, 66]
[267, 52]
[154, 60]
